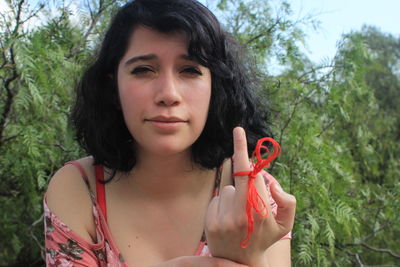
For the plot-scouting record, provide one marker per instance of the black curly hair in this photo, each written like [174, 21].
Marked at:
[97, 115]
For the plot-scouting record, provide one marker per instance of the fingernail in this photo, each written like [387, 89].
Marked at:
[237, 131]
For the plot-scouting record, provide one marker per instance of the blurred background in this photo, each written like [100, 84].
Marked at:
[331, 73]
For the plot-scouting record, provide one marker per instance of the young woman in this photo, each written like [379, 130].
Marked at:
[158, 112]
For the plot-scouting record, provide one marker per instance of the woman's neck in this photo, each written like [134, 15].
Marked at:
[171, 177]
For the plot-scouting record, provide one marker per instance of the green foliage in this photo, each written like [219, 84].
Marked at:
[268, 35]
[38, 73]
[339, 145]
[338, 125]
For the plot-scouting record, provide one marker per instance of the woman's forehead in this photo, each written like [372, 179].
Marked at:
[147, 41]
[143, 33]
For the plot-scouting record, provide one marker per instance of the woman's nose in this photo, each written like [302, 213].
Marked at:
[167, 91]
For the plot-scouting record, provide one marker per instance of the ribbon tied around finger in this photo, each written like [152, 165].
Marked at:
[254, 200]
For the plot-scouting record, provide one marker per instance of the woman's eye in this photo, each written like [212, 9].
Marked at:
[192, 70]
[141, 70]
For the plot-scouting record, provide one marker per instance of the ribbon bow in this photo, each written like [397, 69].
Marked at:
[254, 200]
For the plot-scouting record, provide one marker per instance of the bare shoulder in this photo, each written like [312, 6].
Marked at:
[68, 198]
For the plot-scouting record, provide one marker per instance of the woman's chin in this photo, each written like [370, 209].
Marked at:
[158, 145]
[166, 151]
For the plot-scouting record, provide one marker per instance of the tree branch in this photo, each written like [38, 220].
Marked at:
[9, 138]
[267, 32]
[383, 250]
[295, 104]
[56, 145]
[387, 224]
[8, 55]
[18, 17]
[364, 265]
[326, 127]
[33, 14]
[357, 257]
[9, 98]
[39, 243]
[3, 55]
[314, 70]
[94, 19]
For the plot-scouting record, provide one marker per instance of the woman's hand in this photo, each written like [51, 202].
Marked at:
[226, 218]
[198, 261]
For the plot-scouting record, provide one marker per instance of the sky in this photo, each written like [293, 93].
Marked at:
[342, 16]
[336, 18]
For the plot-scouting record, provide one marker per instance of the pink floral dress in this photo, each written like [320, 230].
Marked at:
[65, 248]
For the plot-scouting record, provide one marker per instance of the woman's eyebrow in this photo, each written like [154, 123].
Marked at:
[137, 58]
[187, 57]
[153, 56]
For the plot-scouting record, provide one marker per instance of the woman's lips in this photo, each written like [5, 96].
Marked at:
[166, 123]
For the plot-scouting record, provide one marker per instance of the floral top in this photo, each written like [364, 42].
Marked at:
[65, 248]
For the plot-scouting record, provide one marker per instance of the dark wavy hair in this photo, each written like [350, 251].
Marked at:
[97, 115]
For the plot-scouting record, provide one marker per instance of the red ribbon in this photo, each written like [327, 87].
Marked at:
[254, 200]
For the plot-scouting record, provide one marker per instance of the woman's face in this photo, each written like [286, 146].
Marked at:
[164, 94]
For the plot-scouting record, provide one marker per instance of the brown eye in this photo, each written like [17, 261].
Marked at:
[141, 70]
[192, 70]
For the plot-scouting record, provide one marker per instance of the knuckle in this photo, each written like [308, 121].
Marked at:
[241, 142]
[262, 218]
[292, 201]
[228, 189]
[265, 221]
[212, 227]
[228, 224]
[240, 222]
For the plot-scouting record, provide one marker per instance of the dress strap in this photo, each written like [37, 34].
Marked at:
[100, 189]
[81, 170]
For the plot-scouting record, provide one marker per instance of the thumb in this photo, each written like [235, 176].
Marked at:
[286, 208]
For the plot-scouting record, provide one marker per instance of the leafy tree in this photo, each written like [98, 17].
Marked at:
[38, 70]
[327, 119]
[338, 124]
[371, 138]
[341, 160]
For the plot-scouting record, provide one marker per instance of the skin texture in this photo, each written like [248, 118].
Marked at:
[226, 220]
[165, 98]
[158, 83]
[197, 261]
